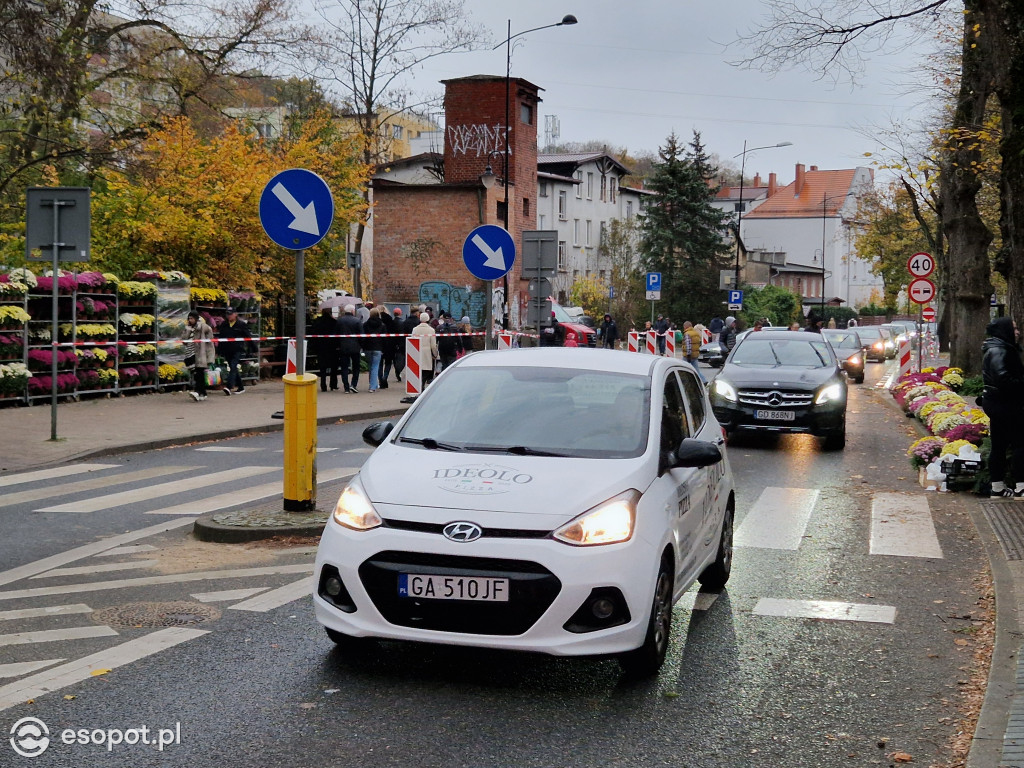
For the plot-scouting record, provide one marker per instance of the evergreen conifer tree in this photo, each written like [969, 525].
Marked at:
[682, 234]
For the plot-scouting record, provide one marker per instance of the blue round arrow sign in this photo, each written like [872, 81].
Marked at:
[489, 252]
[296, 209]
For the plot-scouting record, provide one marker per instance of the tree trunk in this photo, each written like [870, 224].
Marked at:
[1008, 45]
[966, 233]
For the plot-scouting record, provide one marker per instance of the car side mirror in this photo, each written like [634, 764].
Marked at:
[377, 433]
[697, 453]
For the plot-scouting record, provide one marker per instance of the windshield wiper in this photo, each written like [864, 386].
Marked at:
[431, 443]
[518, 450]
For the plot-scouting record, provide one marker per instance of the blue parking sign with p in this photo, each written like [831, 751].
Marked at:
[735, 297]
[654, 281]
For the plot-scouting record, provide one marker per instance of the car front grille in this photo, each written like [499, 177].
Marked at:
[438, 529]
[532, 590]
[776, 398]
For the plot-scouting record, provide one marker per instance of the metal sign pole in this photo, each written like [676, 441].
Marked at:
[920, 335]
[300, 312]
[489, 341]
[54, 324]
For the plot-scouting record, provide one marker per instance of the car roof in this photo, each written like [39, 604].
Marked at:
[786, 334]
[604, 360]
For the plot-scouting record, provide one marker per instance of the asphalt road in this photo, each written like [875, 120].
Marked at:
[266, 687]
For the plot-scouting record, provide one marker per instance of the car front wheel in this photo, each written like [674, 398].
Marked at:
[646, 660]
[716, 575]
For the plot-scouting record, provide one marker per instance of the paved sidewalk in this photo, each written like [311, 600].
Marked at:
[139, 422]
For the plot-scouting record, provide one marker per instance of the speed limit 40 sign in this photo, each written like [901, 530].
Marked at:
[921, 265]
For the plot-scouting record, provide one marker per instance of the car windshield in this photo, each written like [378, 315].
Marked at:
[870, 334]
[533, 411]
[801, 353]
[560, 314]
[843, 339]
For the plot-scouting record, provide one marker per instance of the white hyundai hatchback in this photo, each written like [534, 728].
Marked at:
[553, 500]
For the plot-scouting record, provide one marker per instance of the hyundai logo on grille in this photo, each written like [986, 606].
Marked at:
[463, 531]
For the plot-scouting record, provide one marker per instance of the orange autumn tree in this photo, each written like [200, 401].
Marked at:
[193, 205]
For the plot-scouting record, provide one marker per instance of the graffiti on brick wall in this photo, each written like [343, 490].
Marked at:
[455, 300]
[479, 140]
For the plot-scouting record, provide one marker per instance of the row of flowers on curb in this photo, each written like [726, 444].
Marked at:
[956, 428]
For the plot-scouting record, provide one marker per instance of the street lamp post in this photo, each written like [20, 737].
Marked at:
[824, 202]
[739, 208]
[567, 20]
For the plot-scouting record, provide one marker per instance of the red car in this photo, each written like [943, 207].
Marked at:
[585, 335]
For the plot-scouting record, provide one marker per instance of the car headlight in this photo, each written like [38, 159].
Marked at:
[610, 522]
[878, 345]
[853, 360]
[725, 390]
[829, 393]
[354, 510]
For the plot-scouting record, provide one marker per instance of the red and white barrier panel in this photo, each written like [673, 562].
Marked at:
[633, 341]
[705, 336]
[505, 340]
[413, 374]
[670, 344]
[906, 358]
[652, 342]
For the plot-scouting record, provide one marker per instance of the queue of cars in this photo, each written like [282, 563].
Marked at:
[547, 499]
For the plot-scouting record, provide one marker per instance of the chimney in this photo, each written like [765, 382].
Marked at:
[773, 184]
[799, 184]
[814, 167]
[757, 179]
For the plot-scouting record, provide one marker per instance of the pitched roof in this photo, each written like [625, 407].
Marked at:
[578, 158]
[749, 193]
[806, 203]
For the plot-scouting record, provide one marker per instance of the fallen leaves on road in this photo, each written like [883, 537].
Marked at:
[902, 757]
[98, 672]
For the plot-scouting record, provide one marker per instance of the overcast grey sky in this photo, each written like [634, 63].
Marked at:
[629, 73]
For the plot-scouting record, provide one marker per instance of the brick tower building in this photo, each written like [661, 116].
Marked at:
[419, 229]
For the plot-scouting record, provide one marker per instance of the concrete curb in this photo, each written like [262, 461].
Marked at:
[207, 437]
[205, 529]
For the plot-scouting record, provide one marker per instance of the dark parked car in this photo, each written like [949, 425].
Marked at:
[872, 338]
[781, 381]
[712, 354]
[849, 349]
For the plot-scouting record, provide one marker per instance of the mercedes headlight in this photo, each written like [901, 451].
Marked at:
[610, 522]
[829, 393]
[725, 390]
[354, 510]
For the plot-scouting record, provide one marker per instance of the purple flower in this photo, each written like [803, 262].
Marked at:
[973, 433]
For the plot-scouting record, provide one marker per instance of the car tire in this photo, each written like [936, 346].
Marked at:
[859, 379]
[646, 660]
[716, 575]
[836, 441]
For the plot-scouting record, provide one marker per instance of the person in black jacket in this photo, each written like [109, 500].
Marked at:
[1003, 373]
[387, 347]
[350, 329]
[398, 351]
[233, 328]
[609, 332]
[373, 346]
[448, 344]
[327, 351]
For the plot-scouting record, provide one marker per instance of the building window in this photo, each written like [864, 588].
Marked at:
[738, 207]
[643, 203]
[629, 209]
[590, 186]
[603, 237]
[588, 232]
[543, 189]
[265, 130]
[579, 185]
[526, 113]
[613, 189]
[499, 210]
[561, 255]
[600, 275]
[575, 231]
[575, 275]
[396, 132]
[526, 207]
[540, 221]
[604, 181]
[561, 205]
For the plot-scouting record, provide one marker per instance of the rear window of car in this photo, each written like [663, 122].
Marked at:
[569, 412]
[802, 353]
[870, 333]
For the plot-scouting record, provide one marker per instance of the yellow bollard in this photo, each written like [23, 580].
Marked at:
[299, 442]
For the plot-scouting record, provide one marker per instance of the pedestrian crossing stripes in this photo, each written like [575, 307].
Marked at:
[161, 490]
[245, 495]
[52, 474]
[85, 570]
[93, 484]
[901, 525]
[52, 635]
[778, 519]
[17, 669]
[53, 610]
[275, 598]
[227, 595]
[82, 669]
[825, 609]
[118, 551]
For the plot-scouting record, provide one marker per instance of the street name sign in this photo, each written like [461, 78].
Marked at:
[921, 290]
[489, 252]
[296, 209]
